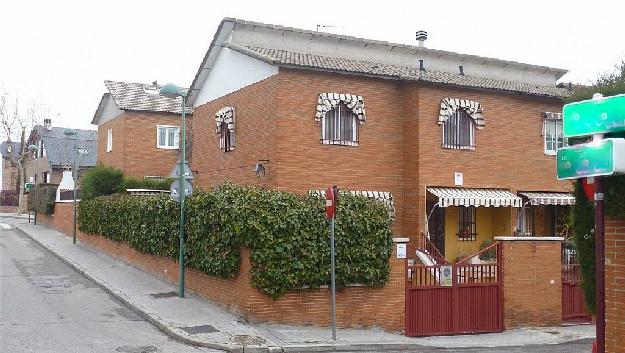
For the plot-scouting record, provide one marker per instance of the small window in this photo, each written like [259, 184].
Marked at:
[340, 127]
[553, 136]
[226, 137]
[109, 140]
[167, 136]
[459, 131]
[467, 229]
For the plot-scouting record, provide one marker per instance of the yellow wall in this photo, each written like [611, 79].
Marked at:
[490, 222]
[543, 218]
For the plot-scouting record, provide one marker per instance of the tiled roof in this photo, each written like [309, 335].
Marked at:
[15, 149]
[59, 146]
[143, 97]
[407, 73]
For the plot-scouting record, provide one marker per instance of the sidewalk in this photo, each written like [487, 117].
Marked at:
[200, 322]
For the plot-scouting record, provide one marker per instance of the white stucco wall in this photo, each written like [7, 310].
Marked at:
[110, 111]
[232, 71]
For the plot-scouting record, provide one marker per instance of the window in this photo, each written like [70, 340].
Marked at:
[459, 131]
[466, 223]
[340, 127]
[554, 137]
[226, 137]
[167, 136]
[109, 140]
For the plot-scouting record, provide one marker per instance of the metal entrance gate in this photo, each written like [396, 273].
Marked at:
[444, 299]
[573, 305]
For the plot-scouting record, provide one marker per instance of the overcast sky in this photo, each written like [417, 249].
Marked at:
[60, 52]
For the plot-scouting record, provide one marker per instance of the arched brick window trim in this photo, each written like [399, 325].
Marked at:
[329, 101]
[224, 118]
[449, 106]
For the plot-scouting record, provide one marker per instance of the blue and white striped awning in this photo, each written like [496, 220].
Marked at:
[475, 197]
[549, 198]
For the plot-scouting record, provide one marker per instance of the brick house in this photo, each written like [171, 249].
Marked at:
[55, 153]
[9, 171]
[138, 129]
[441, 136]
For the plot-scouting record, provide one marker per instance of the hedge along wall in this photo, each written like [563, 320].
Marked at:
[287, 235]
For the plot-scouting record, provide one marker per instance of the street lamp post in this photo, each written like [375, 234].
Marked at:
[172, 91]
[35, 148]
[68, 133]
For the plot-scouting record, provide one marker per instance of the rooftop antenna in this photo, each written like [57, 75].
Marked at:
[327, 26]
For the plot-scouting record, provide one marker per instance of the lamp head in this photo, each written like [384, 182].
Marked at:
[172, 91]
[33, 148]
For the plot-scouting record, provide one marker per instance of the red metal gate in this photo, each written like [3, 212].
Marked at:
[445, 299]
[573, 305]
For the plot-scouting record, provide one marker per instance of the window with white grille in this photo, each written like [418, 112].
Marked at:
[340, 126]
[167, 137]
[459, 131]
[553, 135]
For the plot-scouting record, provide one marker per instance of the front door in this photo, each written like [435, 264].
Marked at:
[436, 225]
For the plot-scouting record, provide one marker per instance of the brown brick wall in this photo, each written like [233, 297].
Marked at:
[9, 175]
[134, 144]
[399, 145]
[256, 121]
[615, 285]
[356, 306]
[532, 283]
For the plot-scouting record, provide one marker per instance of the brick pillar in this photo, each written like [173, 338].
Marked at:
[532, 281]
[615, 285]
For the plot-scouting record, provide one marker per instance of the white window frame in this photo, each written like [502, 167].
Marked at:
[335, 113]
[165, 145]
[109, 140]
[559, 133]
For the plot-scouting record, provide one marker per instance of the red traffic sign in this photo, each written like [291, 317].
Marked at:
[330, 203]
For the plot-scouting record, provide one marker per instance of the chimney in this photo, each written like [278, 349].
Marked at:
[421, 37]
[461, 68]
[421, 67]
[47, 122]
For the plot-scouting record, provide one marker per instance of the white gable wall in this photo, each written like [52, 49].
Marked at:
[110, 111]
[231, 72]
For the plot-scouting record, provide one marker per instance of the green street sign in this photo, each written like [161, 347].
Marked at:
[605, 157]
[594, 116]
[28, 186]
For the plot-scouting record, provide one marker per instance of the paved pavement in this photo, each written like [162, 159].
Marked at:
[179, 317]
[45, 306]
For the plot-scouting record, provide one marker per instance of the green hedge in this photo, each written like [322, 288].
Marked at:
[152, 184]
[286, 233]
[42, 198]
[101, 180]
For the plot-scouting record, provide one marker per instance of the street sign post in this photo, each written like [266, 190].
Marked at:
[332, 195]
[174, 189]
[594, 116]
[604, 157]
[595, 159]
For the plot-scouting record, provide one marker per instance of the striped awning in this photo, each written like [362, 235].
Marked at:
[475, 197]
[383, 196]
[549, 198]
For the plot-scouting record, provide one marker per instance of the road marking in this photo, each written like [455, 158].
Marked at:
[5, 226]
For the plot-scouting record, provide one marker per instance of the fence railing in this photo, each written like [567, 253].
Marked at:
[571, 273]
[426, 245]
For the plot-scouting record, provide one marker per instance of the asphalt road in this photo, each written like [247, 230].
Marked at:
[45, 306]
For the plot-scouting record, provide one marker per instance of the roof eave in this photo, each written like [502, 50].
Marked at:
[98, 113]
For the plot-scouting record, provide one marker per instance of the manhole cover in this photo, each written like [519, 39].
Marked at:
[137, 349]
[164, 295]
[246, 340]
[194, 330]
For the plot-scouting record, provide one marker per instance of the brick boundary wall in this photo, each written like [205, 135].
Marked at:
[357, 306]
[615, 285]
[532, 282]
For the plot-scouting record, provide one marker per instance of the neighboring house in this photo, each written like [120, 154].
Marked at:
[58, 151]
[138, 129]
[463, 140]
[9, 171]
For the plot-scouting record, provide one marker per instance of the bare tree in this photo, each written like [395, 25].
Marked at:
[16, 124]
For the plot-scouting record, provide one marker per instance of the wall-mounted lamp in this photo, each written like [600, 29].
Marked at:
[260, 167]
